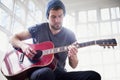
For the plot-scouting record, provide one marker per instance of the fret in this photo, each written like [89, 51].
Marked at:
[55, 50]
[45, 52]
[60, 49]
[51, 51]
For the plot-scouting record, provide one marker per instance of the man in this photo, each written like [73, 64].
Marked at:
[60, 36]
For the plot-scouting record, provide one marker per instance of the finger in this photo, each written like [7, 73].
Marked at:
[29, 54]
[69, 47]
[73, 50]
[69, 53]
[32, 51]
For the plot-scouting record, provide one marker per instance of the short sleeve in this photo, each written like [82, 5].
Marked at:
[33, 30]
[72, 38]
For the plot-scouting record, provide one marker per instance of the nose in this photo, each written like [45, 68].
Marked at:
[57, 19]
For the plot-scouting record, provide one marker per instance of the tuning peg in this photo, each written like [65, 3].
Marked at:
[108, 46]
[113, 47]
[103, 46]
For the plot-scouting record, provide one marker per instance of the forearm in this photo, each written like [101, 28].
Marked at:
[17, 39]
[16, 42]
[73, 61]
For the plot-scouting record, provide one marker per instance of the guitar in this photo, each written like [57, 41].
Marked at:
[16, 65]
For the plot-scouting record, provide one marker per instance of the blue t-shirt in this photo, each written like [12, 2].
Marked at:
[41, 33]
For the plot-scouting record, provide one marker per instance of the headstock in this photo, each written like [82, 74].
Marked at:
[107, 42]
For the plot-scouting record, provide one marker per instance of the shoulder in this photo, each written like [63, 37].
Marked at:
[38, 27]
[68, 31]
[42, 25]
[70, 35]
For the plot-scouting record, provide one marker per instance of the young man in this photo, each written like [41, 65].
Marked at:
[60, 36]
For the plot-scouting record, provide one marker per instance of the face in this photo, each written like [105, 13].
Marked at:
[56, 19]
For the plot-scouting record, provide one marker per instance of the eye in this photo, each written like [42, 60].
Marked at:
[60, 16]
[53, 16]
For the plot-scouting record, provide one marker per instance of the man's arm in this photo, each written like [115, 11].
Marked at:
[72, 56]
[17, 41]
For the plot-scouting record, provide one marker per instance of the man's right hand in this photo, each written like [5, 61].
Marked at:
[28, 50]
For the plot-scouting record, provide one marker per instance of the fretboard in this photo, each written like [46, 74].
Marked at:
[85, 44]
[65, 48]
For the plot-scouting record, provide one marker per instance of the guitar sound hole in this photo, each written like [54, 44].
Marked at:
[36, 58]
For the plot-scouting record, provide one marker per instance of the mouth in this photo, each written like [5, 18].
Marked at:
[58, 24]
[56, 27]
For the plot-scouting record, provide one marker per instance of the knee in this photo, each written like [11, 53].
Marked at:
[43, 71]
[95, 75]
[47, 70]
[43, 74]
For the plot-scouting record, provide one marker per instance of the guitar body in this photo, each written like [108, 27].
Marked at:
[13, 69]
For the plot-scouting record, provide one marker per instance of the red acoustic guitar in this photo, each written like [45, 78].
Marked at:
[16, 65]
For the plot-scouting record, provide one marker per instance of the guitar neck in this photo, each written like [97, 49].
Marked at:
[65, 48]
[103, 42]
[85, 44]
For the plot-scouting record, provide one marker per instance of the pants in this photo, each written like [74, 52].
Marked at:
[48, 74]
